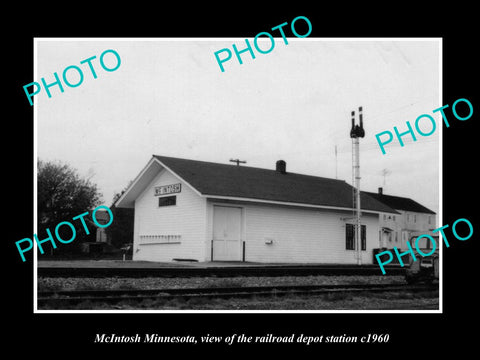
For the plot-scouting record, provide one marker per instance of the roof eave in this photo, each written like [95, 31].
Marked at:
[285, 203]
[153, 167]
[127, 200]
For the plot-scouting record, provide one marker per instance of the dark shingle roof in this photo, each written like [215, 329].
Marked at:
[400, 203]
[254, 183]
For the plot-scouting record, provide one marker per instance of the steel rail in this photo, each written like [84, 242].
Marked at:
[114, 296]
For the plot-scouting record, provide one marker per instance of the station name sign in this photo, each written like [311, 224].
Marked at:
[168, 189]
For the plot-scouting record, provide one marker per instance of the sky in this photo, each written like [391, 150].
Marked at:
[169, 97]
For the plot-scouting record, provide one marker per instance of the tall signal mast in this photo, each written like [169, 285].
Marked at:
[356, 133]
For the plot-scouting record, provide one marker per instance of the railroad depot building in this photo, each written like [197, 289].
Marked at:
[204, 211]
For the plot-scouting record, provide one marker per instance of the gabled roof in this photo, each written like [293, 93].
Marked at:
[243, 182]
[400, 203]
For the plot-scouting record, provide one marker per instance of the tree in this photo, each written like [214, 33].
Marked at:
[62, 195]
[120, 232]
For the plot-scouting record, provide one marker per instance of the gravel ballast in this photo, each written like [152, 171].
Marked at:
[51, 284]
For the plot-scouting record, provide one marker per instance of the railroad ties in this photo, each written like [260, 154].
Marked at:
[115, 296]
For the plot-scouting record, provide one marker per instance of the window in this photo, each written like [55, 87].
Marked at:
[350, 237]
[429, 220]
[408, 217]
[393, 217]
[363, 237]
[167, 201]
[414, 218]
[384, 217]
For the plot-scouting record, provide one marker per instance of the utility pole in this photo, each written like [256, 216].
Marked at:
[356, 133]
[238, 162]
[336, 166]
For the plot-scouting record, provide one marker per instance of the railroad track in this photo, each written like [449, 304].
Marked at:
[220, 271]
[115, 296]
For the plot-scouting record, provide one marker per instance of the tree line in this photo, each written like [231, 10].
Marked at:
[62, 194]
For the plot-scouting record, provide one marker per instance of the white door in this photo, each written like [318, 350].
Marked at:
[227, 233]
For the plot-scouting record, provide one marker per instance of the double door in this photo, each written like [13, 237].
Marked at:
[227, 233]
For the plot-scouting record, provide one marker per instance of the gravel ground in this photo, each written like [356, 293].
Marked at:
[51, 284]
[372, 301]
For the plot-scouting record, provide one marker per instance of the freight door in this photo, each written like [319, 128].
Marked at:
[227, 233]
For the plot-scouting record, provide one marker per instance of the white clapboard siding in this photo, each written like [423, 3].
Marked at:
[169, 232]
[280, 234]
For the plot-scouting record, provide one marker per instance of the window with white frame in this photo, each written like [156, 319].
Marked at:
[167, 201]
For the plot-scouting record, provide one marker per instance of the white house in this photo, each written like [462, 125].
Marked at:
[411, 219]
[203, 211]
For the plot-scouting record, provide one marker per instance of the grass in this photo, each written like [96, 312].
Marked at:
[336, 296]
[333, 301]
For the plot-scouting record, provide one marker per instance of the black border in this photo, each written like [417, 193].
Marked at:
[410, 334]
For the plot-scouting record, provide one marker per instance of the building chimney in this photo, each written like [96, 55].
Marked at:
[380, 191]
[281, 167]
